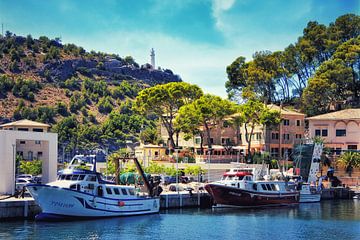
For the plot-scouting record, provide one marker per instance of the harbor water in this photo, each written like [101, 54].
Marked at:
[326, 220]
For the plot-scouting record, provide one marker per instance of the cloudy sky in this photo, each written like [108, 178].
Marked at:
[197, 39]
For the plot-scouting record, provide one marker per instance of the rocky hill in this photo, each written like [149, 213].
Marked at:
[53, 64]
[86, 96]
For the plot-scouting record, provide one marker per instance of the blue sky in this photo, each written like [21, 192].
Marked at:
[196, 39]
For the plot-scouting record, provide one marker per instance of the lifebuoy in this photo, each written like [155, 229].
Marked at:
[121, 203]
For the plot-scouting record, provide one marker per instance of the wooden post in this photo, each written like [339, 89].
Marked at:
[117, 174]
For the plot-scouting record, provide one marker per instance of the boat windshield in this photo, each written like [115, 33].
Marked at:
[232, 178]
[71, 177]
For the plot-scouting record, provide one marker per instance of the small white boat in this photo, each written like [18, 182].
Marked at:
[84, 194]
[309, 194]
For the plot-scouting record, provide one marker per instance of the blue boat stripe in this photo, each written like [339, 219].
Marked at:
[136, 204]
[104, 210]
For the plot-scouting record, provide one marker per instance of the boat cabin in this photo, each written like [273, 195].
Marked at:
[92, 183]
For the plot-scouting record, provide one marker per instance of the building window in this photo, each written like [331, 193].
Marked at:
[286, 122]
[39, 154]
[30, 155]
[324, 132]
[274, 135]
[340, 132]
[298, 136]
[197, 140]
[352, 147]
[317, 132]
[258, 136]
[38, 130]
[211, 140]
[225, 141]
[22, 142]
[37, 142]
[286, 136]
[298, 122]
[275, 152]
[20, 153]
[23, 129]
[338, 151]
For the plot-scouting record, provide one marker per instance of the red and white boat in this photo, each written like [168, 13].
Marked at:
[239, 189]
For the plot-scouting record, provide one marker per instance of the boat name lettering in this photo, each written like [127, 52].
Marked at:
[60, 204]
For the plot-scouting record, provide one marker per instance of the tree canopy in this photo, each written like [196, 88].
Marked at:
[164, 101]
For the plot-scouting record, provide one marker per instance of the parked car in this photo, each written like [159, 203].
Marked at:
[25, 176]
[37, 179]
[21, 183]
[168, 179]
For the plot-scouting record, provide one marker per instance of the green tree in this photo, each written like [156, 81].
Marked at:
[349, 160]
[31, 167]
[332, 83]
[254, 113]
[164, 102]
[205, 113]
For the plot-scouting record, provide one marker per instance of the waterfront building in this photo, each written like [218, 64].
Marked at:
[229, 141]
[340, 130]
[31, 140]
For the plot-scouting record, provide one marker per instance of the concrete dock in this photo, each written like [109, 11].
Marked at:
[26, 208]
[18, 208]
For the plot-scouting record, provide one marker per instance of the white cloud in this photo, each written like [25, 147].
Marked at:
[218, 7]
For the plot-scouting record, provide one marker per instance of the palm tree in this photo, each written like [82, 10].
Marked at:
[349, 160]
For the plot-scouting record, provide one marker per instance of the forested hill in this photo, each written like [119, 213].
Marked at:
[86, 96]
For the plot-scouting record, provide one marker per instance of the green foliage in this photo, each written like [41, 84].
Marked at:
[61, 109]
[25, 88]
[254, 113]
[286, 75]
[6, 84]
[71, 83]
[77, 101]
[205, 113]
[31, 167]
[44, 114]
[165, 100]
[194, 170]
[150, 135]
[125, 89]
[349, 160]
[53, 53]
[105, 105]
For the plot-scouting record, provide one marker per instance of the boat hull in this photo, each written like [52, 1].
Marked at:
[309, 197]
[226, 196]
[57, 203]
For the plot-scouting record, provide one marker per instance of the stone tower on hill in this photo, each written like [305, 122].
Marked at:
[152, 55]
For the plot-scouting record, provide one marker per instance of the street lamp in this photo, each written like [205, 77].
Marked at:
[177, 170]
[209, 160]
[14, 169]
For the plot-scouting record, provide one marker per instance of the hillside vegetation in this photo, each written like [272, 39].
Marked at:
[86, 96]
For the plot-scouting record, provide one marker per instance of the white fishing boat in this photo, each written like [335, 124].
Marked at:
[84, 194]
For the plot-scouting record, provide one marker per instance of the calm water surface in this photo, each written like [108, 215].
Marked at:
[326, 220]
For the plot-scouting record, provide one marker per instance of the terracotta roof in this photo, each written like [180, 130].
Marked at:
[25, 123]
[284, 110]
[352, 113]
